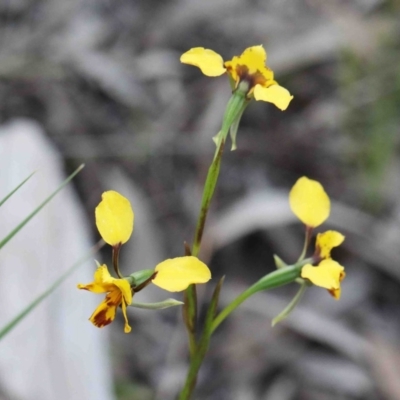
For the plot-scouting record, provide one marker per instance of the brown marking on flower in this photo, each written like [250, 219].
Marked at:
[342, 276]
[228, 67]
[253, 79]
[114, 298]
[257, 78]
[100, 319]
[334, 293]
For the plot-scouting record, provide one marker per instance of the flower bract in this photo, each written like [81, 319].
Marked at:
[114, 218]
[176, 274]
[118, 294]
[309, 202]
[249, 68]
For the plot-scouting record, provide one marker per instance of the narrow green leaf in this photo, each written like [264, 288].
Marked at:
[8, 327]
[33, 213]
[290, 307]
[14, 190]
[212, 308]
[161, 305]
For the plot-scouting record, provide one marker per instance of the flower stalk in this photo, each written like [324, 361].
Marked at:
[115, 259]
[280, 277]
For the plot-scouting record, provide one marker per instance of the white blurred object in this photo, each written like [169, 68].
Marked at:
[55, 352]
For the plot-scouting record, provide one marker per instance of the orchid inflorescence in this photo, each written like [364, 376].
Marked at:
[250, 79]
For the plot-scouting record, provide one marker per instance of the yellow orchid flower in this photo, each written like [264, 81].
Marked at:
[309, 202]
[248, 68]
[173, 275]
[328, 274]
[119, 293]
[176, 274]
[114, 218]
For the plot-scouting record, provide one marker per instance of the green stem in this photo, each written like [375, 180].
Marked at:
[306, 242]
[195, 364]
[211, 182]
[115, 259]
[198, 350]
[190, 307]
[189, 311]
[276, 278]
[198, 357]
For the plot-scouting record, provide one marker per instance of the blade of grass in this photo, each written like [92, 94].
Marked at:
[33, 213]
[8, 327]
[13, 191]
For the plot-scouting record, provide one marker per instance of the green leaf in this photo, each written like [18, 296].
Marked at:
[290, 307]
[212, 308]
[8, 327]
[33, 213]
[13, 191]
[158, 306]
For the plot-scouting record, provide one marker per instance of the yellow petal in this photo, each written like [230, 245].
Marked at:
[210, 62]
[114, 218]
[328, 274]
[92, 287]
[177, 274]
[274, 94]
[250, 63]
[102, 281]
[125, 288]
[309, 202]
[105, 312]
[127, 328]
[327, 241]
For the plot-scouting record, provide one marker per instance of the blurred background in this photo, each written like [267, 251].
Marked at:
[102, 83]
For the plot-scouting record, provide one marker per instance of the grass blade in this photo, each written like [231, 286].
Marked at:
[8, 327]
[13, 191]
[33, 213]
